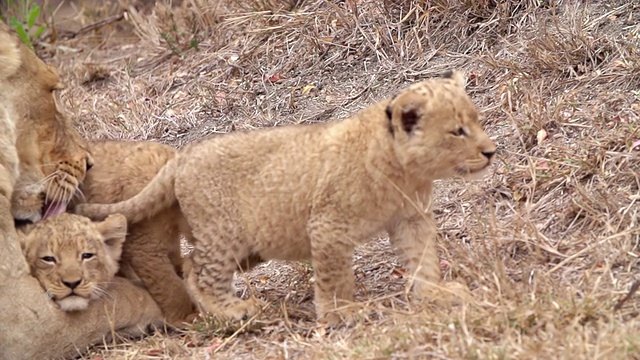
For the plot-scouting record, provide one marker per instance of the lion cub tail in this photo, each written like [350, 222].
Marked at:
[158, 195]
[9, 54]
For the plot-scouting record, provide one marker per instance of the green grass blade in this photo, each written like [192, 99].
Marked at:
[22, 33]
[39, 31]
[33, 15]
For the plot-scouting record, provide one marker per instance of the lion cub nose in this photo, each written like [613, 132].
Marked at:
[488, 154]
[71, 284]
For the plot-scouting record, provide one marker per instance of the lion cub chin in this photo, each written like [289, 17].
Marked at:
[73, 303]
[317, 191]
[73, 258]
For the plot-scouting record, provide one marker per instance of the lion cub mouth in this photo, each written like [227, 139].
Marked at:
[469, 173]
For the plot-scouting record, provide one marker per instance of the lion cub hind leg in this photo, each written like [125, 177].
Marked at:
[152, 264]
[209, 275]
[332, 252]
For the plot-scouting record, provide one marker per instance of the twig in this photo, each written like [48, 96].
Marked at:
[94, 26]
[586, 250]
[632, 290]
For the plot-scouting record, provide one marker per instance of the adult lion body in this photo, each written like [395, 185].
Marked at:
[316, 191]
[28, 319]
[53, 156]
[152, 250]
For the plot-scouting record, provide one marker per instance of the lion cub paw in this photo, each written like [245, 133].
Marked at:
[345, 316]
[242, 309]
[445, 294]
[236, 309]
[334, 319]
[183, 322]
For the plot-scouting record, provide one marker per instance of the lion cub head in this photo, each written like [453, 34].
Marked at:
[436, 130]
[73, 258]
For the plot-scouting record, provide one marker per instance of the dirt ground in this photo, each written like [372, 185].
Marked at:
[548, 243]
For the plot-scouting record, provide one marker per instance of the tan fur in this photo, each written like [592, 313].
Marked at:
[73, 258]
[317, 191]
[38, 328]
[152, 250]
[9, 170]
[53, 157]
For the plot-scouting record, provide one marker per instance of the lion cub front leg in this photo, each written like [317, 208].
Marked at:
[334, 279]
[209, 276]
[414, 240]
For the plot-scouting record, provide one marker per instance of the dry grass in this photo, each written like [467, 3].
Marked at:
[549, 244]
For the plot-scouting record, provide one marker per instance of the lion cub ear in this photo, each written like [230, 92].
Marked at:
[114, 231]
[457, 76]
[409, 116]
[404, 112]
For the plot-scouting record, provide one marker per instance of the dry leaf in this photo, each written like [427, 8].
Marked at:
[399, 272]
[307, 88]
[444, 265]
[541, 136]
[276, 77]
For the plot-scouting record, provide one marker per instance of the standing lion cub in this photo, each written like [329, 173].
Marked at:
[317, 191]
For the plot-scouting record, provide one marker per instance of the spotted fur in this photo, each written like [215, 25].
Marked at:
[317, 191]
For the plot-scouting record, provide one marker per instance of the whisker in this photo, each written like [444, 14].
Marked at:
[52, 199]
[61, 194]
[53, 173]
[79, 194]
[101, 293]
[47, 187]
[47, 164]
[48, 178]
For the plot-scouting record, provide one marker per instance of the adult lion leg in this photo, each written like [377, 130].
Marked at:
[10, 265]
[332, 252]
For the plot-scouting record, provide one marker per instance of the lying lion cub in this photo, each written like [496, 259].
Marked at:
[73, 258]
[152, 250]
[317, 191]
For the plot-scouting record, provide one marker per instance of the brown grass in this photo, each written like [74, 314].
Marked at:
[548, 243]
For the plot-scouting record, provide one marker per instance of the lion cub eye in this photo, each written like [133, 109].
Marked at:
[86, 256]
[459, 132]
[49, 259]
